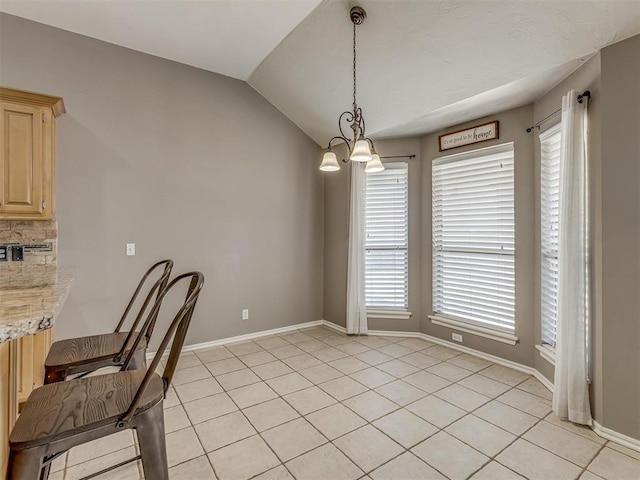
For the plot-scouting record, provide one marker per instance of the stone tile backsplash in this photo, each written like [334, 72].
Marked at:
[40, 239]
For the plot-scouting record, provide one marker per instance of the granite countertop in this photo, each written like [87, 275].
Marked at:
[31, 297]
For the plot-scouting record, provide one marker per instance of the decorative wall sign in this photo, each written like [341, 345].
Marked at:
[479, 133]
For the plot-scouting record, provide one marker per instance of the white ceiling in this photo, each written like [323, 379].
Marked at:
[230, 37]
[426, 65]
[423, 65]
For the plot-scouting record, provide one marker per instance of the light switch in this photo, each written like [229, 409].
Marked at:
[131, 249]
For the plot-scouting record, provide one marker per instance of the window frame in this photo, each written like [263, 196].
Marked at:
[379, 310]
[546, 244]
[479, 327]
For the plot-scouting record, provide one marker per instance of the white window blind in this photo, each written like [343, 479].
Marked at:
[549, 205]
[387, 237]
[473, 237]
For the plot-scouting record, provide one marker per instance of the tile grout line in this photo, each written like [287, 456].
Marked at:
[405, 450]
[283, 463]
[428, 394]
[193, 425]
[521, 436]
[303, 416]
[396, 341]
[512, 387]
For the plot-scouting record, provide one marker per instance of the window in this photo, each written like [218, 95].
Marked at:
[549, 217]
[387, 238]
[473, 242]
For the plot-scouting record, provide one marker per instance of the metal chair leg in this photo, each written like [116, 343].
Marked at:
[44, 473]
[25, 464]
[153, 450]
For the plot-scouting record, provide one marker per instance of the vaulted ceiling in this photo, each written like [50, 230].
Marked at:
[422, 64]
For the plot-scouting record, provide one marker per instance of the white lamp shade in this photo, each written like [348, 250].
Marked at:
[375, 165]
[329, 162]
[361, 151]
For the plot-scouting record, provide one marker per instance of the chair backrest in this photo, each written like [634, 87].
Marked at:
[177, 329]
[157, 289]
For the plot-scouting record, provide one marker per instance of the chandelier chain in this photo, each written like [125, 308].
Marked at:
[354, 68]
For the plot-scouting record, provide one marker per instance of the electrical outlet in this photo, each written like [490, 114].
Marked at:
[131, 249]
[456, 337]
[245, 314]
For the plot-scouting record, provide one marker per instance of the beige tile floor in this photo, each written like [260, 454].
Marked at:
[316, 404]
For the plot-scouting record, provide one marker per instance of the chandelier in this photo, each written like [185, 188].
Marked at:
[361, 148]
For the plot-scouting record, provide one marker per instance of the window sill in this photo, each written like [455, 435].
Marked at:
[548, 353]
[388, 314]
[496, 335]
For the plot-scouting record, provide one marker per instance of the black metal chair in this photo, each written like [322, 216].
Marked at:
[86, 354]
[62, 415]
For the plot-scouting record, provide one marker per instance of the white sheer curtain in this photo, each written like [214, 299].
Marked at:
[356, 305]
[571, 389]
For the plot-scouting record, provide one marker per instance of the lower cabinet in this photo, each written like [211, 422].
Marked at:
[21, 370]
[31, 353]
[8, 404]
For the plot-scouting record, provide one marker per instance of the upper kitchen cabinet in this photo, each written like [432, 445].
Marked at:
[27, 154]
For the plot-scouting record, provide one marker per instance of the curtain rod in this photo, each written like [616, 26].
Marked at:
[585, 94]
[344, 160]
[401, 156]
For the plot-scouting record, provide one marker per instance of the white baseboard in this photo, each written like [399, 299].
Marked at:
[244, 338]
[486, 356]
[603, 432]
[251, 336]
[612, 435]
[333, 326]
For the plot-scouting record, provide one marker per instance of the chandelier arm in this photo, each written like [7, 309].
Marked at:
[358, 124]
[361, 123]
[346, 142]
[338, 137]
[349, 118]
[373, 147]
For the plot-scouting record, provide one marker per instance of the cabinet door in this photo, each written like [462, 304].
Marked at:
[41, 344]
[25, 366]
[21, 160]
[8, 403]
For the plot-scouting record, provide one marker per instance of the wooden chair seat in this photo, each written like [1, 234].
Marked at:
[64, 409]
[78, 351]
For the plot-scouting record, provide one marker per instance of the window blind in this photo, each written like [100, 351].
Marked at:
[473, 233]
[549, 219]
[387, 237]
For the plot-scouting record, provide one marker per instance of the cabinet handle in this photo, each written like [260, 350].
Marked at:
[44, 205]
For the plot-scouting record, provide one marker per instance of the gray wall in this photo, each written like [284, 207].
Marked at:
[512, 129]
[620, 237]
[185, 163]
[336, 238]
